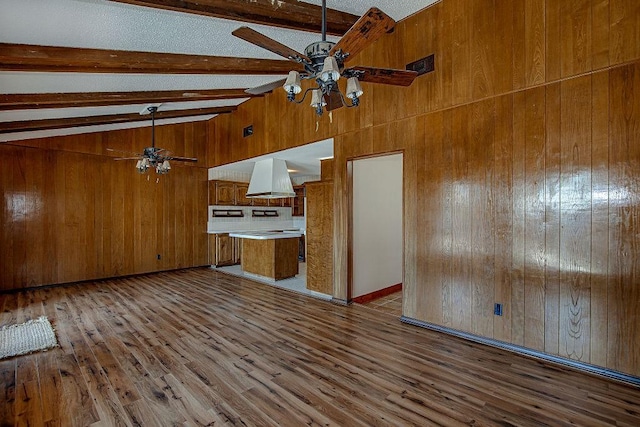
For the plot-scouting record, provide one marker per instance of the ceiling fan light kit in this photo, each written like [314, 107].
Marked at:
[157, 158]
[324, 61]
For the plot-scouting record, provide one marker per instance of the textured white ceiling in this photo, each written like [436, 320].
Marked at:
[112, 25]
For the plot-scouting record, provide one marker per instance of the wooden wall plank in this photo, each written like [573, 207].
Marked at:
[624, 37]
[623, 349]
[575, 218]
[502, 188]
[552, 219]
[534, 42]
[599, 216]
[575, 40]
[461, 290]
[534, 217]
[600, 27]
[482, 226]
[448, 185]
[430, 167]
[517, 302]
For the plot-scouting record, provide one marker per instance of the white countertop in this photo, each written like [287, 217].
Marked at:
[266, 235]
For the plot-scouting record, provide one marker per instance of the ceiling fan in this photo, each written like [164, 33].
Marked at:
[325, 61]
[154, 157]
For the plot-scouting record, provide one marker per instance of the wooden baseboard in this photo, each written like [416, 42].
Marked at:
[362, 299]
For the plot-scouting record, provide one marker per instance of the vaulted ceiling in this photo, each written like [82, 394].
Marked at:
[73, 66]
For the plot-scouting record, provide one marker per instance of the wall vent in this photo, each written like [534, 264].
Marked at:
[423, 66]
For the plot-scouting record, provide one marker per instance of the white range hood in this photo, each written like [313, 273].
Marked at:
[270, 180]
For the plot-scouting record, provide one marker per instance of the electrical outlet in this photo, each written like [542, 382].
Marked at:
[497, 309]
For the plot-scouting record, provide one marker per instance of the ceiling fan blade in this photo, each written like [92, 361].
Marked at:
[369, 28]
[385, 76]
[182, 159]
[268, 87]
[128, 158]
[124, 152]
[333, 100]
[254, 37]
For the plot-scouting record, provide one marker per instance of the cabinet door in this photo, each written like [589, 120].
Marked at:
[225, 193]
[241, 194]
[260, 202]
[298, 201]
[224, 250]
[212, 249]
[237, 248]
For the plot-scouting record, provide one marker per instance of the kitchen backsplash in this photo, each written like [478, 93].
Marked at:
[283, 221]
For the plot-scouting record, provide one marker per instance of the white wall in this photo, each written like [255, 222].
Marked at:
[377, 223]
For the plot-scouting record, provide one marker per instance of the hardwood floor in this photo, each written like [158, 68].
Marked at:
[390, 304]
[199, 347]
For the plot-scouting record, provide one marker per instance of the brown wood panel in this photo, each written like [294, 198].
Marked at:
[624, 210]
[503, 195]
[482, 226]
[319, 236]
[552, 219]
[79, 216]
[600, 28]
[575, 217]
[599, 216]
[575, 38]
[461, 286]
[431, 202]
[534, 42]
[534, 219]
[624, 40]
[461, 50]
[518, 220]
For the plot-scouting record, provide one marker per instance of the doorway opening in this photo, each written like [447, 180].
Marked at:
[376, 257]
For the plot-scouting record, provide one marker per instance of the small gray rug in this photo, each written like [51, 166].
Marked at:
[24, 338]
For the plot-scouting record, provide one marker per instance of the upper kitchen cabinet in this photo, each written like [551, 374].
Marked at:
[241, 189]
[228, 193]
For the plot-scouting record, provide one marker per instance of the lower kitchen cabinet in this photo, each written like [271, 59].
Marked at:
[224, 250]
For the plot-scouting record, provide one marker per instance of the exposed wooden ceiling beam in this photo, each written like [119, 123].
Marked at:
[92, 99]
[23, 57]
[48, 124]
[291, 14]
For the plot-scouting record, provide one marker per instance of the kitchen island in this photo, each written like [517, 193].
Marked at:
[269, 254]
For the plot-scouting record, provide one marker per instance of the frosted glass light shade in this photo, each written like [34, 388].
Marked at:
[293, 83]
[354, 90]
[317, 99]
[330, 70]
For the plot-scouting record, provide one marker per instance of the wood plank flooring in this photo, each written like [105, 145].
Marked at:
[198, 347]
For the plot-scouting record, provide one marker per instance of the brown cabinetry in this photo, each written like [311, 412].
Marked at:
[224, 193]
[297, 208]
[241, 189]
[319, 237]
[230, 193]
[224, 250]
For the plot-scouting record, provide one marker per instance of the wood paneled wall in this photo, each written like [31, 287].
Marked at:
[522, 153]
[71, 213]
